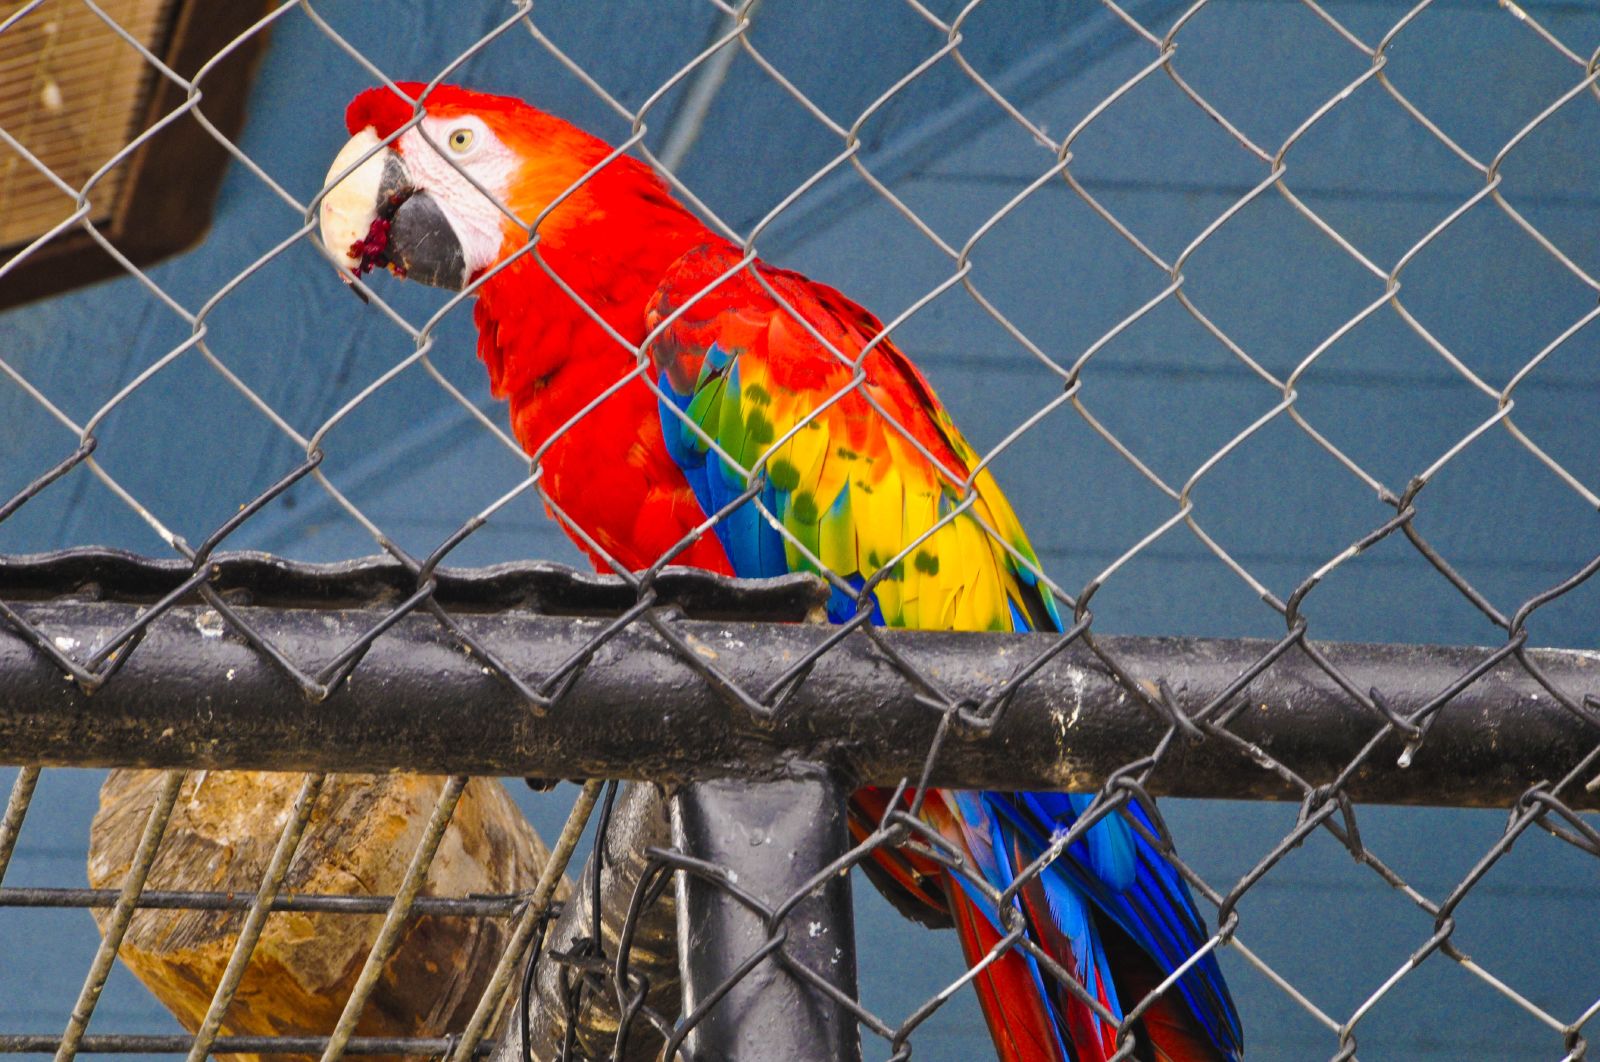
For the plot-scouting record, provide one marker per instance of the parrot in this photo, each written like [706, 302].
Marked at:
[774, 388]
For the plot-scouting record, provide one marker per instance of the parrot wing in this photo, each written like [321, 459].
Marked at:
[779, 389]
[853, 474]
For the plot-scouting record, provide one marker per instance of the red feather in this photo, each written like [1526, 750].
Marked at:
[1021, 1027]
[385, 111]
[381, 109]
[1167, 1024]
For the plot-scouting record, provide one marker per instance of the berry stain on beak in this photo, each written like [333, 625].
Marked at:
[370, 252]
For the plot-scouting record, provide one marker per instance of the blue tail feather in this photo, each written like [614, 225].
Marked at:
[1152, 906]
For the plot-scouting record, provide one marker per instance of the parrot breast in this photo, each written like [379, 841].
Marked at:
[579, 403]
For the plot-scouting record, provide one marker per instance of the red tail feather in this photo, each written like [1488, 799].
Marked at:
[916, 875]
[1167, 1025]
[1085, 1029]
[1019, 1022]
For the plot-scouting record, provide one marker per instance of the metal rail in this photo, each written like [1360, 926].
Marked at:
[271, 1046]
[196, 696]
[172, 899]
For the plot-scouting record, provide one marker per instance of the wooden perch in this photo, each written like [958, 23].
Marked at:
[361, 835]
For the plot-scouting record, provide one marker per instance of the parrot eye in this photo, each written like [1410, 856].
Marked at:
[460, 140]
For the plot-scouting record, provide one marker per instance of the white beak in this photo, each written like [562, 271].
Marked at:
[351, 206]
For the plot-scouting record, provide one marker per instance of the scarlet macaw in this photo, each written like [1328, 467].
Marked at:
[866, 481]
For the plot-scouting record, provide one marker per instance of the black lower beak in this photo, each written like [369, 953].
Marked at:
[409, 234]
[423, 246]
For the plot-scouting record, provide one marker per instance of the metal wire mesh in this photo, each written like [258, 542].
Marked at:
[1171, 266]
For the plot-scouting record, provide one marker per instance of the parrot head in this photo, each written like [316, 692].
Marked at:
[454, 194]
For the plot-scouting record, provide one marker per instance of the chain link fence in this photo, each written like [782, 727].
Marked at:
[1308, 443]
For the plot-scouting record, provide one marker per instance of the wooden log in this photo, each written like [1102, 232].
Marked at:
[358, 841]
[638, 822]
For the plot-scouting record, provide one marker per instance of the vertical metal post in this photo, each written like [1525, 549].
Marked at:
[770, 838]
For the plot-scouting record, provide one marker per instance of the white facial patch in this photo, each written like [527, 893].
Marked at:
[477, 220]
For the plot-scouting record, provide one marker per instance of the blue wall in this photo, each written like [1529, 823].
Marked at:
[189, 447]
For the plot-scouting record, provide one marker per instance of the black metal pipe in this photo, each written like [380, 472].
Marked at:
[129, 1043]
[193, 694]
[487, 906]
[766, 841]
